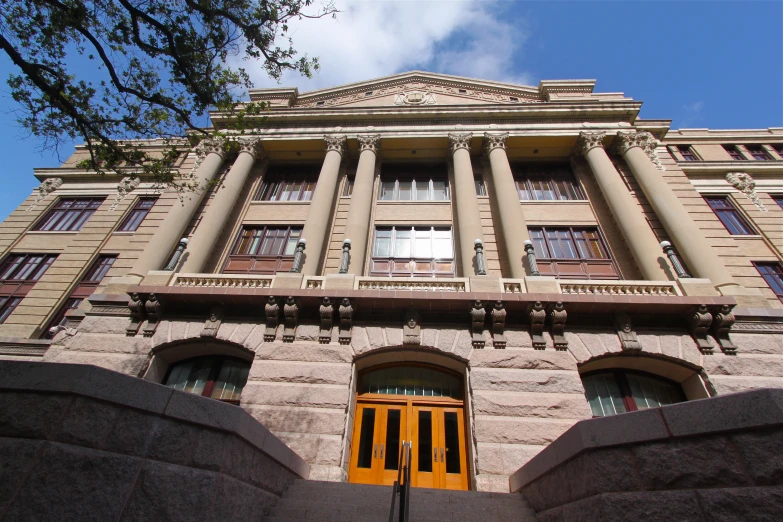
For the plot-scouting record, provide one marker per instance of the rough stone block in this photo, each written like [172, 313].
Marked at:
[762, 452]
[376, 337]
[225, 331]
[464, 344]
[610, 507]
[108, 343]
[546, 381]
[670, 345]
[173, 441]
[429, 337]
[729, 505]
[31, 415]
[359, 340]
[518, 430]
[242, 333]
[128, 364]
[517, 338]
[496, 483]
[307, 333]
[757, 366]
[299, 372]
[305, 353]
[490, 458]
[394, 336]
[446, 339]
[205, 411]
[236, 500]
[18, 458]
[542, 405]
[88, 422]
[132, 433]
[730, 384]
[210, 448]
[757, 343]
[104, 325]
[601, 471]
[517, 455]
[318, 396]
[299, 420]
[523, 359]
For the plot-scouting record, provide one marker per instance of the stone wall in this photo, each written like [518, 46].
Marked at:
[83, 443]
[712, 459]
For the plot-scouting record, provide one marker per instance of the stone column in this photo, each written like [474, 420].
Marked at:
[689, 239]
[627, 214]
[317, 224]
[468, 217]
[358, 222]
[209, 159]
[512, 220]
[216, 216]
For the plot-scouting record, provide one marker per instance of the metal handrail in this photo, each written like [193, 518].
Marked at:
[402, 486]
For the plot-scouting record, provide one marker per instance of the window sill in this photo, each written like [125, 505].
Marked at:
[746, 236]
[551, 201]
[403, 202]
[124, 233]
[46, 232]
[280, 202]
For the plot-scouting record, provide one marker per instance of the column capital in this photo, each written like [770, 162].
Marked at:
[252, 146]
[335, 143]
[588, 141]
[209, 146]
[494, 141]
[460, 141]
[369, 142]
[627, 140]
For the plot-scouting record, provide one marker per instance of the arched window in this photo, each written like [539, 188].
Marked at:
[218, 377]
[411, 380]
[618, 391]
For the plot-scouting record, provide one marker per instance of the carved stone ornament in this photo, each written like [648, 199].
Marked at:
[415, 98]
[213, 322]
[628, 339]
[48, 186]
[253, 146]
[369, 142]
[558, 316]
[203, 149]
[460, 141]
[699, 322]
[326, 311]
[721, 324]
[346, 318]
[627, 140]
[411, 327]
[498, 325]
[291, 319]
[745, 184]
[272, 312]
[588, 141]
[537, 316]
[137, 315]
[477, 316]
[335, 143]
[124, 188]
[494, 141]
[154, 310]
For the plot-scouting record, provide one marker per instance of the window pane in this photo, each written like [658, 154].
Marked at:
[8, 306]
[603, 395]
[382, 243]
[293, 238]
[440, 190]
[387, 190]
[307, 191]
[524, 192]
[451, 427]
[392, 439]
[425, 441]
[539, 244]
[422, 190]
[231, 380]
[481, 189]
[423, 247]
[402, 243]
[442, 245]
[366, 436]
[405, 190]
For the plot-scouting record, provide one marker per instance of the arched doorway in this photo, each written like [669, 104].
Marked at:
[416, 402]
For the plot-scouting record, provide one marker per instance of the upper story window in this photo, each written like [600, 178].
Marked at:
[572, 253]
[221, 378]
[288, 185]
[413, 183]
[137, 215]
[758, 152]
[618, 391]
[18, 274]
[778, 200]
[546, 183]
[412, 251]
[69, 215]
[734, 152]
[687, 153]
[481, 187]
[263, 250]
[729, 216]
[348, 188]
[778, 148]
[772, 272]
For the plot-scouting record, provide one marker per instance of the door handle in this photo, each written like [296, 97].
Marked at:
[435, 454]
[375, 451]
[382, 450]
[441, 454]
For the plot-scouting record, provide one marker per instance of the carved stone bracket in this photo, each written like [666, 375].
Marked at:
[722, 322]
[290, 318]
[643, 140]
[747, 185]
[137, 315]
[369, 142]
[537, 316]
[253, 146]
[154, 310]
[588, 141]
[628, 339]
[272, 312]
[494, 141]
[346, 318]
[499, 325]
[460, 141]
[326, 311]
[335, 143]
[558, 317]
[213, 322]
[477, 315]
[48, 186]
[699, 322]
[411, 328]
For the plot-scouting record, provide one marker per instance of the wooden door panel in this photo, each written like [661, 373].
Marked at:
[393, 432]
[364, 445]
[424, 434]
[452, 452]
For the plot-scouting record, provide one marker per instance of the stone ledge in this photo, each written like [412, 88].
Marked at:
[24, 347]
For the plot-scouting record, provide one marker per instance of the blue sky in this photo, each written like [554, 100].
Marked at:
[700, 63]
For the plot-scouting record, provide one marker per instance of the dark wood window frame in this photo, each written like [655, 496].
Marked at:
[621, 378]
[758, 153]
[777, 198]
[18, 274]
[731, 217]
[584, 253]
[137, 215]
[547, 183]
[288, 185]
[214, 373]
[68, 215]
[408, 263]
[245, 257]
[734, 152]
[437, 187]
[772, 272]
[687, 153]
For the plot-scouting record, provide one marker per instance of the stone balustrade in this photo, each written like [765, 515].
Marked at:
[414, 284]
[222, 281]
[613, 287]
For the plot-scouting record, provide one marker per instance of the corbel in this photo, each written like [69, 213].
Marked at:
[137, 315]
[699, 321]
[498, 325]
[411, 327]
[558, 317]
[327, 312]
[154, 309]
[477, 315]
[346, 318]
[291, 318]
[213, 322]
[628, 339]
[722, 322]
[272, 311]
[537, 316]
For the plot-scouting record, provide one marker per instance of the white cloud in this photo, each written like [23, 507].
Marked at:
[377, 38]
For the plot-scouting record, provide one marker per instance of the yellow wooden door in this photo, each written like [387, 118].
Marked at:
[453, 473]
[379, 430]
[438, 452]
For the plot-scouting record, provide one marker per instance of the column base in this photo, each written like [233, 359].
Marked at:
[486, 283]
[697, 286]
[119, 285]
[339, 281]
[288, 280]
[542, 285]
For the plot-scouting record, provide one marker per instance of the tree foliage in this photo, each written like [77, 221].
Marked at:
[111, 72]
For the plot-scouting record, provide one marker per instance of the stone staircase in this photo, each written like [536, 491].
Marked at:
[343, 502]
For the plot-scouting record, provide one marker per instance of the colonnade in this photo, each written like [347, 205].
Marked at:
[633, 146]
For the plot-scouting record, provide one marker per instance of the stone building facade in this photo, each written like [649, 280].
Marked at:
[504, 276]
